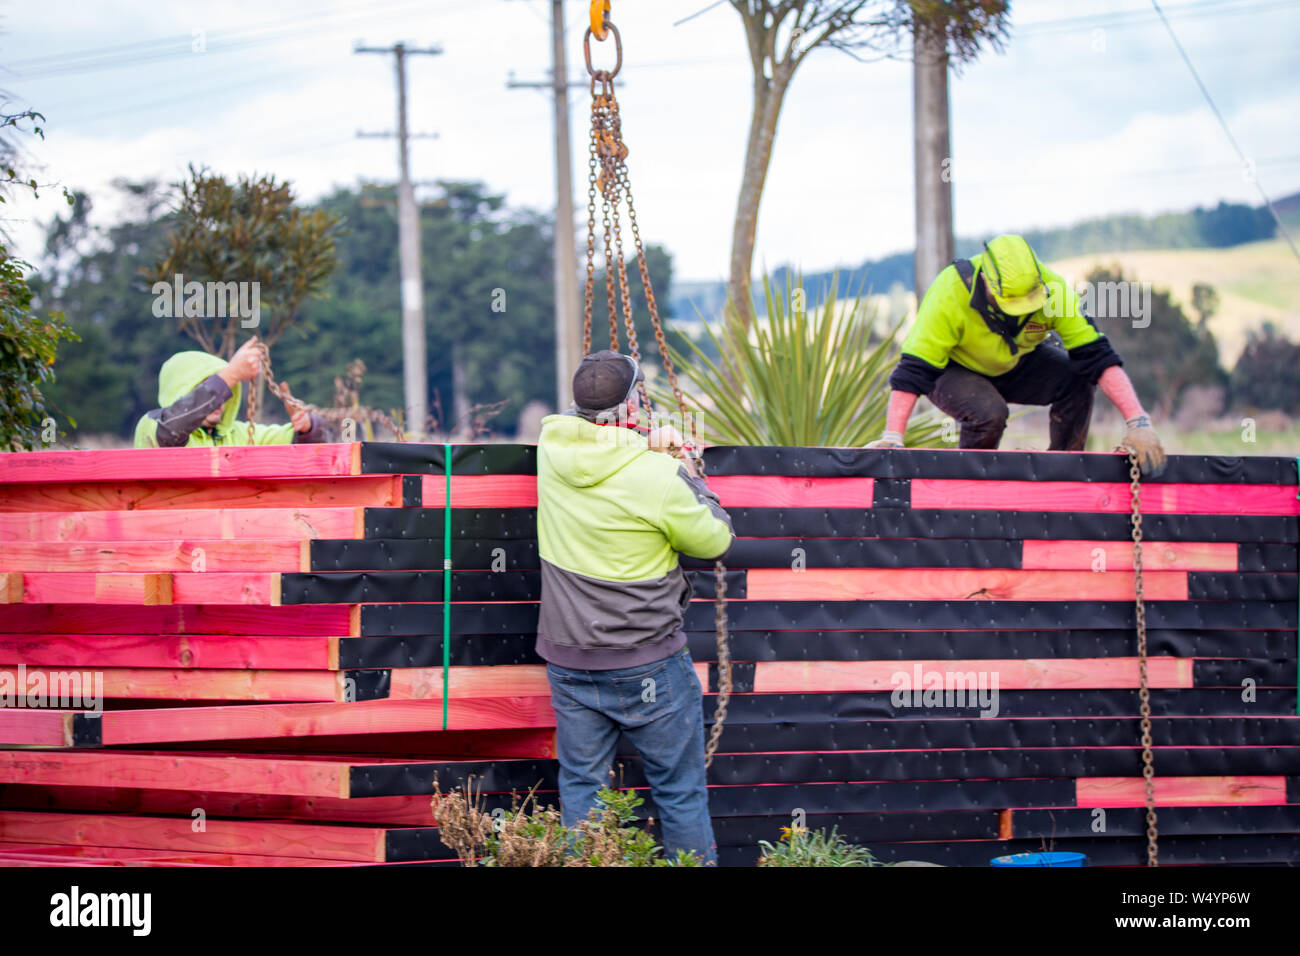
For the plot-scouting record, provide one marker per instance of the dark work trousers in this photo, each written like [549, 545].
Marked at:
[1043, 377]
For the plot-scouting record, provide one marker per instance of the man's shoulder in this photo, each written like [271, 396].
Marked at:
[647, 474]
[946, 301]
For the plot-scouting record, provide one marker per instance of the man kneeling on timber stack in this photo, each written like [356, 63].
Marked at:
[978, 343]
[199, 397]
[612, 515]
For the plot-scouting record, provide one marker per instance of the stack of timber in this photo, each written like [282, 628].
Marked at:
[935, 653]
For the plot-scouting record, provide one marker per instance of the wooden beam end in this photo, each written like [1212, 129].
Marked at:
[11, 587]
[157, 588]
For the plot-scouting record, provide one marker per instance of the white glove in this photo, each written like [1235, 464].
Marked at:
[887, 440]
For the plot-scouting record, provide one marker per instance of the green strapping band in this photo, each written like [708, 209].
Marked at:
[446, 580]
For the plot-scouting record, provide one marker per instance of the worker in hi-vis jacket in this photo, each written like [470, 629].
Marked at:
[198, 404]
[979, 342]
[615, 507]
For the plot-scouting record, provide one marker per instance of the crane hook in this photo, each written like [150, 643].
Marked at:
[599, 18]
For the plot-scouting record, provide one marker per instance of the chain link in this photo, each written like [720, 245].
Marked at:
[607, 175]
[1144, 688]
[281, 391]
[593, 164]
[724, 661]
[652, 304]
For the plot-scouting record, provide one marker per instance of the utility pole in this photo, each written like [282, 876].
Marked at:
[932, 156]
[568, 339]
[415, 372]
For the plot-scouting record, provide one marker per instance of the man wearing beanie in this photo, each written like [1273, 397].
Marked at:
[613, 512]
[979, 343]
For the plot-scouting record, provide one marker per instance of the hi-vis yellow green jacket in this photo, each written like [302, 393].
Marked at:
[189, 390]
[612, 516]
[950, 327]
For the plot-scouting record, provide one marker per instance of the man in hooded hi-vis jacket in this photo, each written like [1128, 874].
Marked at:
[615, 509]
[199, 396]
[979, 342]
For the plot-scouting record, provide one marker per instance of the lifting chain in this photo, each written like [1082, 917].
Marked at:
[281, 391]
[607, 176]
[1144, 688]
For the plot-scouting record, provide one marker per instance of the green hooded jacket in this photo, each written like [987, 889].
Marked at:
[188, 390]
[612, 516]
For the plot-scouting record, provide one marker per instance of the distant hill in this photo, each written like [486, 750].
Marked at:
[1289, 210]
[1257, 282]
[1221, 227]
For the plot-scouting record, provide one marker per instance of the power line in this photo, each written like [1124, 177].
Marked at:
[699, 13]
[1128, 18]
[188, 98]
[1120, 19]
[177, 46]
[1245, 162]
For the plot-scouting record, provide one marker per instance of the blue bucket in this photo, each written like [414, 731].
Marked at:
[1040, 859]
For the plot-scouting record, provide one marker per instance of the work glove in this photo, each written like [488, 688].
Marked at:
[1141, 438]
[887, 440]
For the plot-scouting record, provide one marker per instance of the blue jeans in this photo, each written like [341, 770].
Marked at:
[660, 708]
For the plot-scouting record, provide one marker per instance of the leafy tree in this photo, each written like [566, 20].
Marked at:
[359, 317]
[11, 173]
[248, 231]
[488, 302]
[28, 343]
[1231, 224]
[1265, 375]
[1164, 352]
[489, 288]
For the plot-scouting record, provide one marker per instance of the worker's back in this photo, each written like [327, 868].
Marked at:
[611, 517]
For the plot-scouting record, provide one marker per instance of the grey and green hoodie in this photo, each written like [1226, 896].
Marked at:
[189, 389]
[612, 516]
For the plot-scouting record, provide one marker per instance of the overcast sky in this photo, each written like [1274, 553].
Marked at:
[1088, 111]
